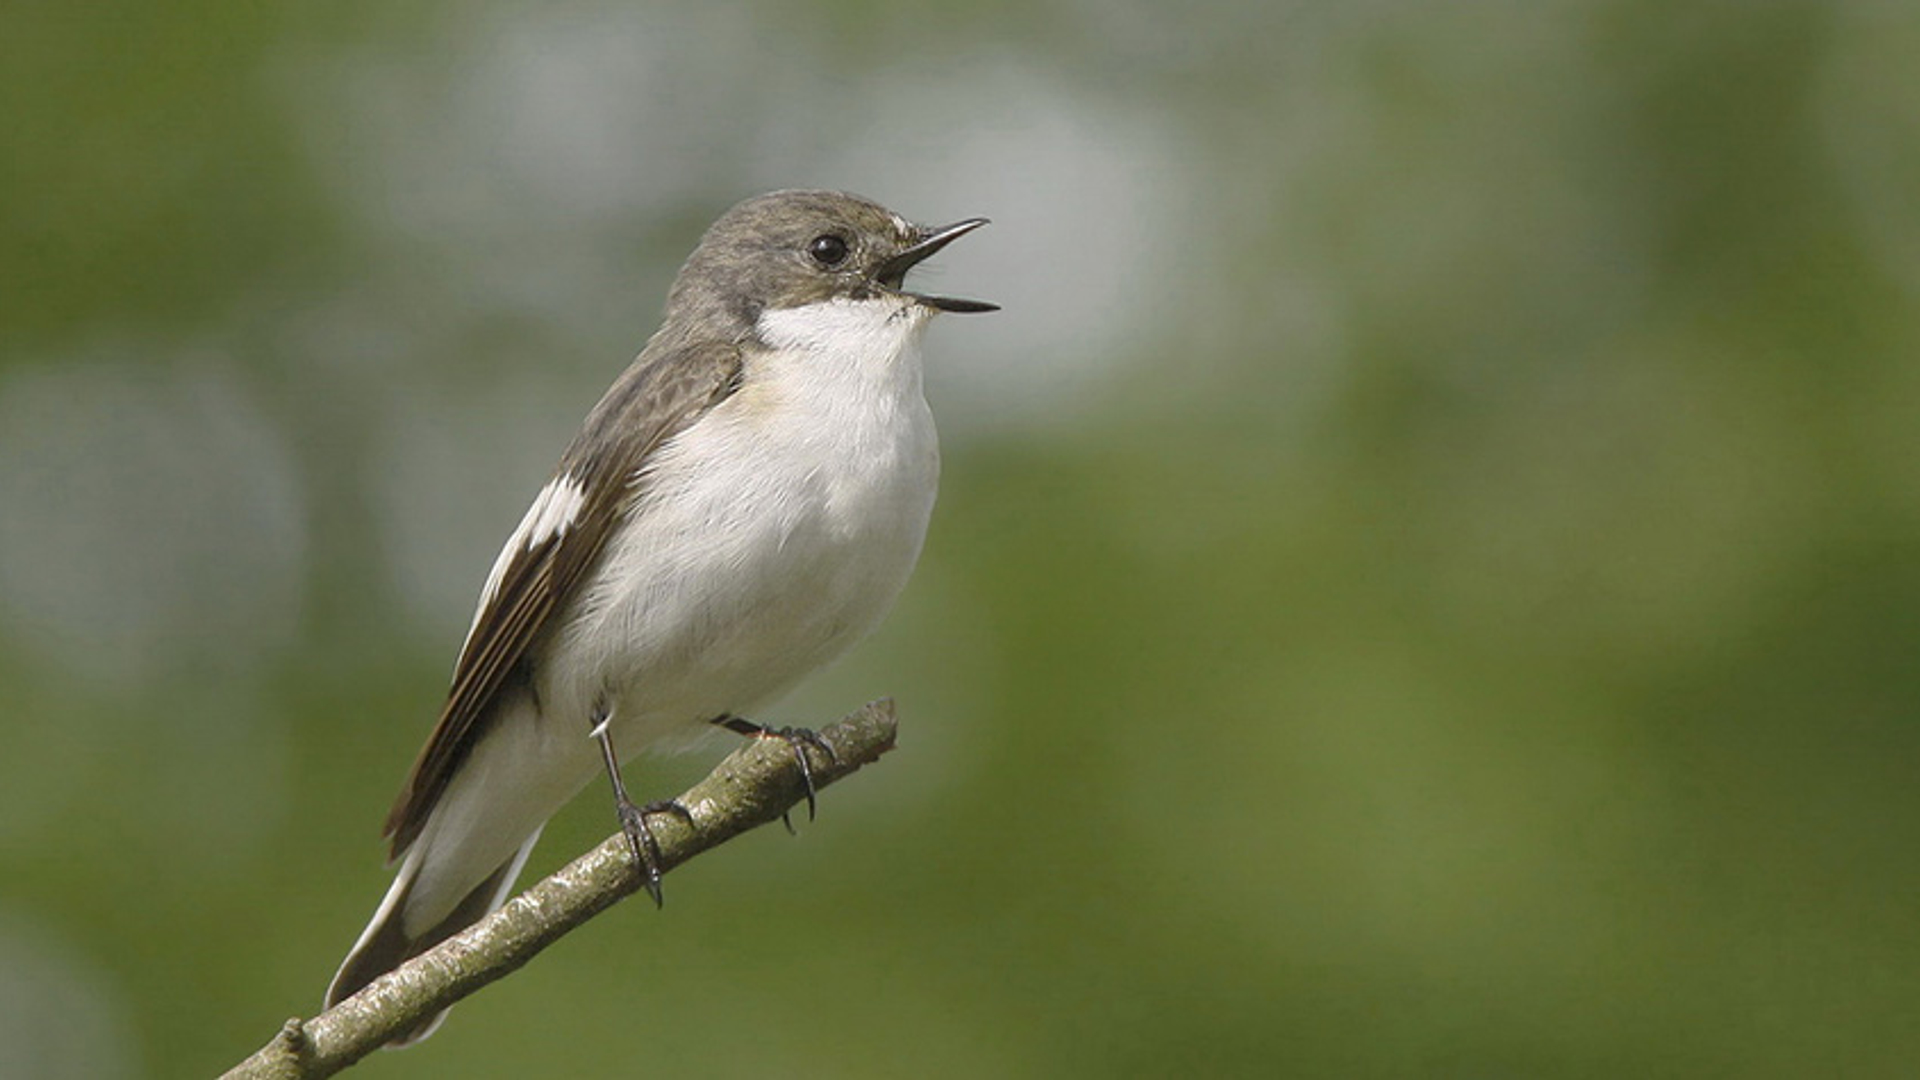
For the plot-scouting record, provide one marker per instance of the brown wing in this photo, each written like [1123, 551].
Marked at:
[656, 398]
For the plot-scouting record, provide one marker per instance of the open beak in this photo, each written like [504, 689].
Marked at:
[894, 271]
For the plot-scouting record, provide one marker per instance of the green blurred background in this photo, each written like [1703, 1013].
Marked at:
[1427, 580]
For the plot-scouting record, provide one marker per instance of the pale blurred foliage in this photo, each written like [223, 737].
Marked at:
[1425, 582]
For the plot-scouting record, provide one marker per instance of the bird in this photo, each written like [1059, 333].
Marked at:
[744, 503]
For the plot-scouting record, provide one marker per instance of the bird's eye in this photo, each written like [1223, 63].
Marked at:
[828, 250]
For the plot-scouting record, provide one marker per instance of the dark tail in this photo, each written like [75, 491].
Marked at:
[386, 943]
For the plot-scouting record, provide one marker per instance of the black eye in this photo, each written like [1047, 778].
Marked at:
[827, 249]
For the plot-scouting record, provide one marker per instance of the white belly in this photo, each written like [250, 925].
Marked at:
[771, 538]
[772, 535]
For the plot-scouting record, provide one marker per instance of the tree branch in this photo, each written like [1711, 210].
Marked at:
[756, 784]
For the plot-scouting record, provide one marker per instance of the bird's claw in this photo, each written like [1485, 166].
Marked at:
[646, 850]
[797, 739]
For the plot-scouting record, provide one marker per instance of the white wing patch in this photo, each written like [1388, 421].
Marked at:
[553, 512]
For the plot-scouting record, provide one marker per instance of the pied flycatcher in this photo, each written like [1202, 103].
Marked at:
[741, 507]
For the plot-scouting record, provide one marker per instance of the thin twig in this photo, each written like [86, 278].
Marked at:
[757, 784]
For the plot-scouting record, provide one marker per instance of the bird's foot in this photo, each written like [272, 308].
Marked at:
[797, 739]
[646, 850]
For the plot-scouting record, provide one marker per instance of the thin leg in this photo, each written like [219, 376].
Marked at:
[797, 739]
[633, 819]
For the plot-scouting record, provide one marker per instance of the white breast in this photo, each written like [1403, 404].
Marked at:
[774, 534]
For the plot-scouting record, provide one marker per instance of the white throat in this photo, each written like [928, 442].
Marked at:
[861, 335]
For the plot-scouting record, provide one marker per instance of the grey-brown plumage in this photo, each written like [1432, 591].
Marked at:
[756, 255]
[651, 403]
[538, 670]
